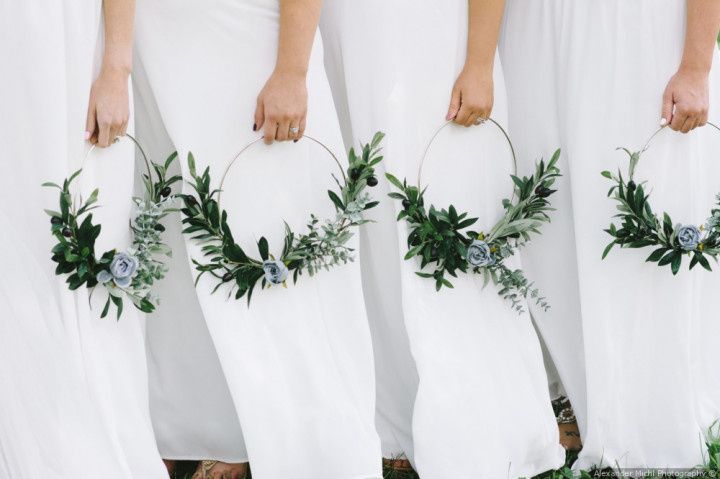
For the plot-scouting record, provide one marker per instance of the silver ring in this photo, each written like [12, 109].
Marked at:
[294, 130]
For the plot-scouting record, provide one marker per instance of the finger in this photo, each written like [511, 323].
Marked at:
[301, 133]
[294, 130]
[463, 115]
[91, 124]
[123, 128]
[687, 125]
[696, 123]
[259, 116]
[474, 119]
[454, 107]
[104, 134]
[678, 119]
[283, 131]
[666, 114]
[114, 132]
[703, 118]
[270, 129]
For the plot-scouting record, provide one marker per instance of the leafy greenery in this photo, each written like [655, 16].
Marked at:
[324, 246]
[76, 234]
[441, 238]
[640, 227]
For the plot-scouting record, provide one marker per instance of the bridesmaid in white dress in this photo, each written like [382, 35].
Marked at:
[298, 361]
[482, 408]
[650, 337]
[74, 386]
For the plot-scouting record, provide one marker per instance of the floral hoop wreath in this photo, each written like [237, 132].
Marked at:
[321, 248]
[640, 227]
[441, 239]
[127, 274]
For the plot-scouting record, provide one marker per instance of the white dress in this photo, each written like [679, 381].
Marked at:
[649, 338]
[74, 386]
[534, 125]
[482, 408]
[298, 361]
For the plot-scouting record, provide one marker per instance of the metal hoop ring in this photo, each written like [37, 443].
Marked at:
[652, 137]
[247, 147]
[444, 125]
[145, 158]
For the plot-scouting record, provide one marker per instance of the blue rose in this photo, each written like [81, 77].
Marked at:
[689, 237]
[275, 271]
[122, 270]
[479, 254]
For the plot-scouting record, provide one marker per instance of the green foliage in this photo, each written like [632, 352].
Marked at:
[441, 238]
[76, 234]
[638, 226]
[321, 248]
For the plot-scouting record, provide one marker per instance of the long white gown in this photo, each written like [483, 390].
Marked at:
[354, 36]
[73, 386]
[298, 362]
[649, 338]
[482, 408]
[535, 93]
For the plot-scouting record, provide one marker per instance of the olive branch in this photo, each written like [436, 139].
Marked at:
[640, 227]
[129, 274]
[322, 247]
[441, 238]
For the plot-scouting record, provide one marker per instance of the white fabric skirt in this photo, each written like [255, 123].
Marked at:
[298, 361]
[73, 387]
[482, 407]
[649, 337]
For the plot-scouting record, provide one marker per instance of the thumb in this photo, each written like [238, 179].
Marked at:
[454, 105]
[667, 108]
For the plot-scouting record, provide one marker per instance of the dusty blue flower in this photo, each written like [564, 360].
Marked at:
[122, 270]
[689, 237]
[479, 254]
[275, 271]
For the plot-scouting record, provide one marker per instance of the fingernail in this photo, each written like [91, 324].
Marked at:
[254, 126]
[663, 122]
[449, 116]
[87, 135]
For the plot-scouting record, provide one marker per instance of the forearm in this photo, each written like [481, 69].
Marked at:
[298, 24]
[119, 16]
[484, 20]
[703, 24]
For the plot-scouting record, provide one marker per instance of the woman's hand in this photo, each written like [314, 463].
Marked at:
[282, 107]
[686, 100]
[109, 110]
[472, 97]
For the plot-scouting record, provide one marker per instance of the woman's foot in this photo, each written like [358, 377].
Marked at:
[170, 466]
[567, 424]
[221, 470]
[570, 436]
[398, 469]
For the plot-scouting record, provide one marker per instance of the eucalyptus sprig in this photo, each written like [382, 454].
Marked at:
[130, 274]
[440, 238]
[322, 247]
[640, 227]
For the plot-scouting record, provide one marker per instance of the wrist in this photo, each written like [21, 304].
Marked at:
[479, 68]
[695, 68]
[293, 72]
[117, 70]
